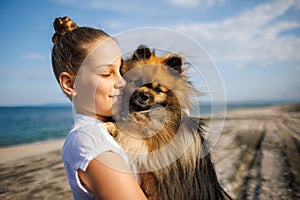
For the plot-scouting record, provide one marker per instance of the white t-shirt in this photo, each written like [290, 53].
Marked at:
[87, 139]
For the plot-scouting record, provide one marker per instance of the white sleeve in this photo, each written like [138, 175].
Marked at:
[81, 146]
[89, 142]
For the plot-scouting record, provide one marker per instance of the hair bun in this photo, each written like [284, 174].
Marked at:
[63, 25]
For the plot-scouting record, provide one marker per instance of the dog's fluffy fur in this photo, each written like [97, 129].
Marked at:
[155, 129]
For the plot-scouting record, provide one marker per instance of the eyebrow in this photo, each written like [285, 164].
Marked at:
[103, 65]
[108, 65]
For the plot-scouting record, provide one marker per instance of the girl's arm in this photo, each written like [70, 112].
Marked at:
[107, 177]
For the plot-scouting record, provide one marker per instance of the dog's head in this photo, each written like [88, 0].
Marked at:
[154, 80]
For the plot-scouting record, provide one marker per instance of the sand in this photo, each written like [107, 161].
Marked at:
[258, 153]
[33, 172]
[8, 154]
[256, 157]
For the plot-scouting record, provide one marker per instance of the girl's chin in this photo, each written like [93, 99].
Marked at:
[116, 108]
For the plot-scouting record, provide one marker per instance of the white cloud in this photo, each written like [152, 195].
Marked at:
[254, 37]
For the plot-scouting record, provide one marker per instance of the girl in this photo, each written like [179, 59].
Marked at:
[86, 63]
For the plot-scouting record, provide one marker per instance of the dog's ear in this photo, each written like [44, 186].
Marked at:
[175, 62]
[142, 52]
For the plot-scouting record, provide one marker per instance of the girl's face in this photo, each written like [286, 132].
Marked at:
[98, 84]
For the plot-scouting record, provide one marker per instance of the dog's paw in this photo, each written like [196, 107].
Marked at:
[111, 128]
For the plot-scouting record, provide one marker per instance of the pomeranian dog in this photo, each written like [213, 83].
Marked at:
[164, 143]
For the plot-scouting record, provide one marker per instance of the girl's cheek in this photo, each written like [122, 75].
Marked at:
[103, 86]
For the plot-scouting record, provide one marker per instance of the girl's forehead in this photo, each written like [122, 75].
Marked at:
[105, 53]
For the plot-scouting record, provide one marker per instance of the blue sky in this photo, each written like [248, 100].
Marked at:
[254, 44]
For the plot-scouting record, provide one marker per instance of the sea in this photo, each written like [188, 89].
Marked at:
[37, 124]
[34, 124]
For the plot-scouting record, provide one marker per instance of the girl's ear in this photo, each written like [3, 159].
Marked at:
[66, 82]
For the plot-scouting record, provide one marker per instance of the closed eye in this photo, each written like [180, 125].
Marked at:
[105, 75]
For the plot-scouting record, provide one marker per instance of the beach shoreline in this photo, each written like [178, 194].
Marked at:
[20, 151]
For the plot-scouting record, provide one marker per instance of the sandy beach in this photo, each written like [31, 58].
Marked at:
[257, 157]
[33, 172]
[258, 153]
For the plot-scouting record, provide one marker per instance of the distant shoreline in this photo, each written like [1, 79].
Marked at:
[204, 103]
[11, 152]
[205, 110]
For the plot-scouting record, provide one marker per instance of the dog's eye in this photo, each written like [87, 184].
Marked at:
[158, 90]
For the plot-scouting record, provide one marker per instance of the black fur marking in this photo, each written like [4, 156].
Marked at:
[174, 62]
[142, 52]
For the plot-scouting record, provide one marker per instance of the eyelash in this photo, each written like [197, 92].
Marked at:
[105, 74]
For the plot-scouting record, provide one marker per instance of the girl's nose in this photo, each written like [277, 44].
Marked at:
[121, 83]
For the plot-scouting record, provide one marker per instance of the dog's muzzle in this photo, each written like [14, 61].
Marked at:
[141, 101]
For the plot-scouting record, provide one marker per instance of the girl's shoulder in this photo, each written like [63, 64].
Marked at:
[87, 139]
[87, 133]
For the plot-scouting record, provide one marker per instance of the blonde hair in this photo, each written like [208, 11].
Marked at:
[71, 45]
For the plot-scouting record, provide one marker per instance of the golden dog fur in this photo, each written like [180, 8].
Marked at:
[165, 144]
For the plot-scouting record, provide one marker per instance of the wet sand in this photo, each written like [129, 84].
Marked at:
[257, 157]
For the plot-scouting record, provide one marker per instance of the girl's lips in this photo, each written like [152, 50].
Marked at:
[118, 97]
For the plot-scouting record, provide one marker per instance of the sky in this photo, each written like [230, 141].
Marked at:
[254, 44]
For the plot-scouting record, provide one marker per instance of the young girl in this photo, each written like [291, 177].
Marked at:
[86, 63]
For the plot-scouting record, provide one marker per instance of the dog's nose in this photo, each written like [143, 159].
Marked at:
[144, 98]
[141, 100]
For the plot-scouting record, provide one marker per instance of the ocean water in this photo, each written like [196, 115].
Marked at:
[19, 125]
